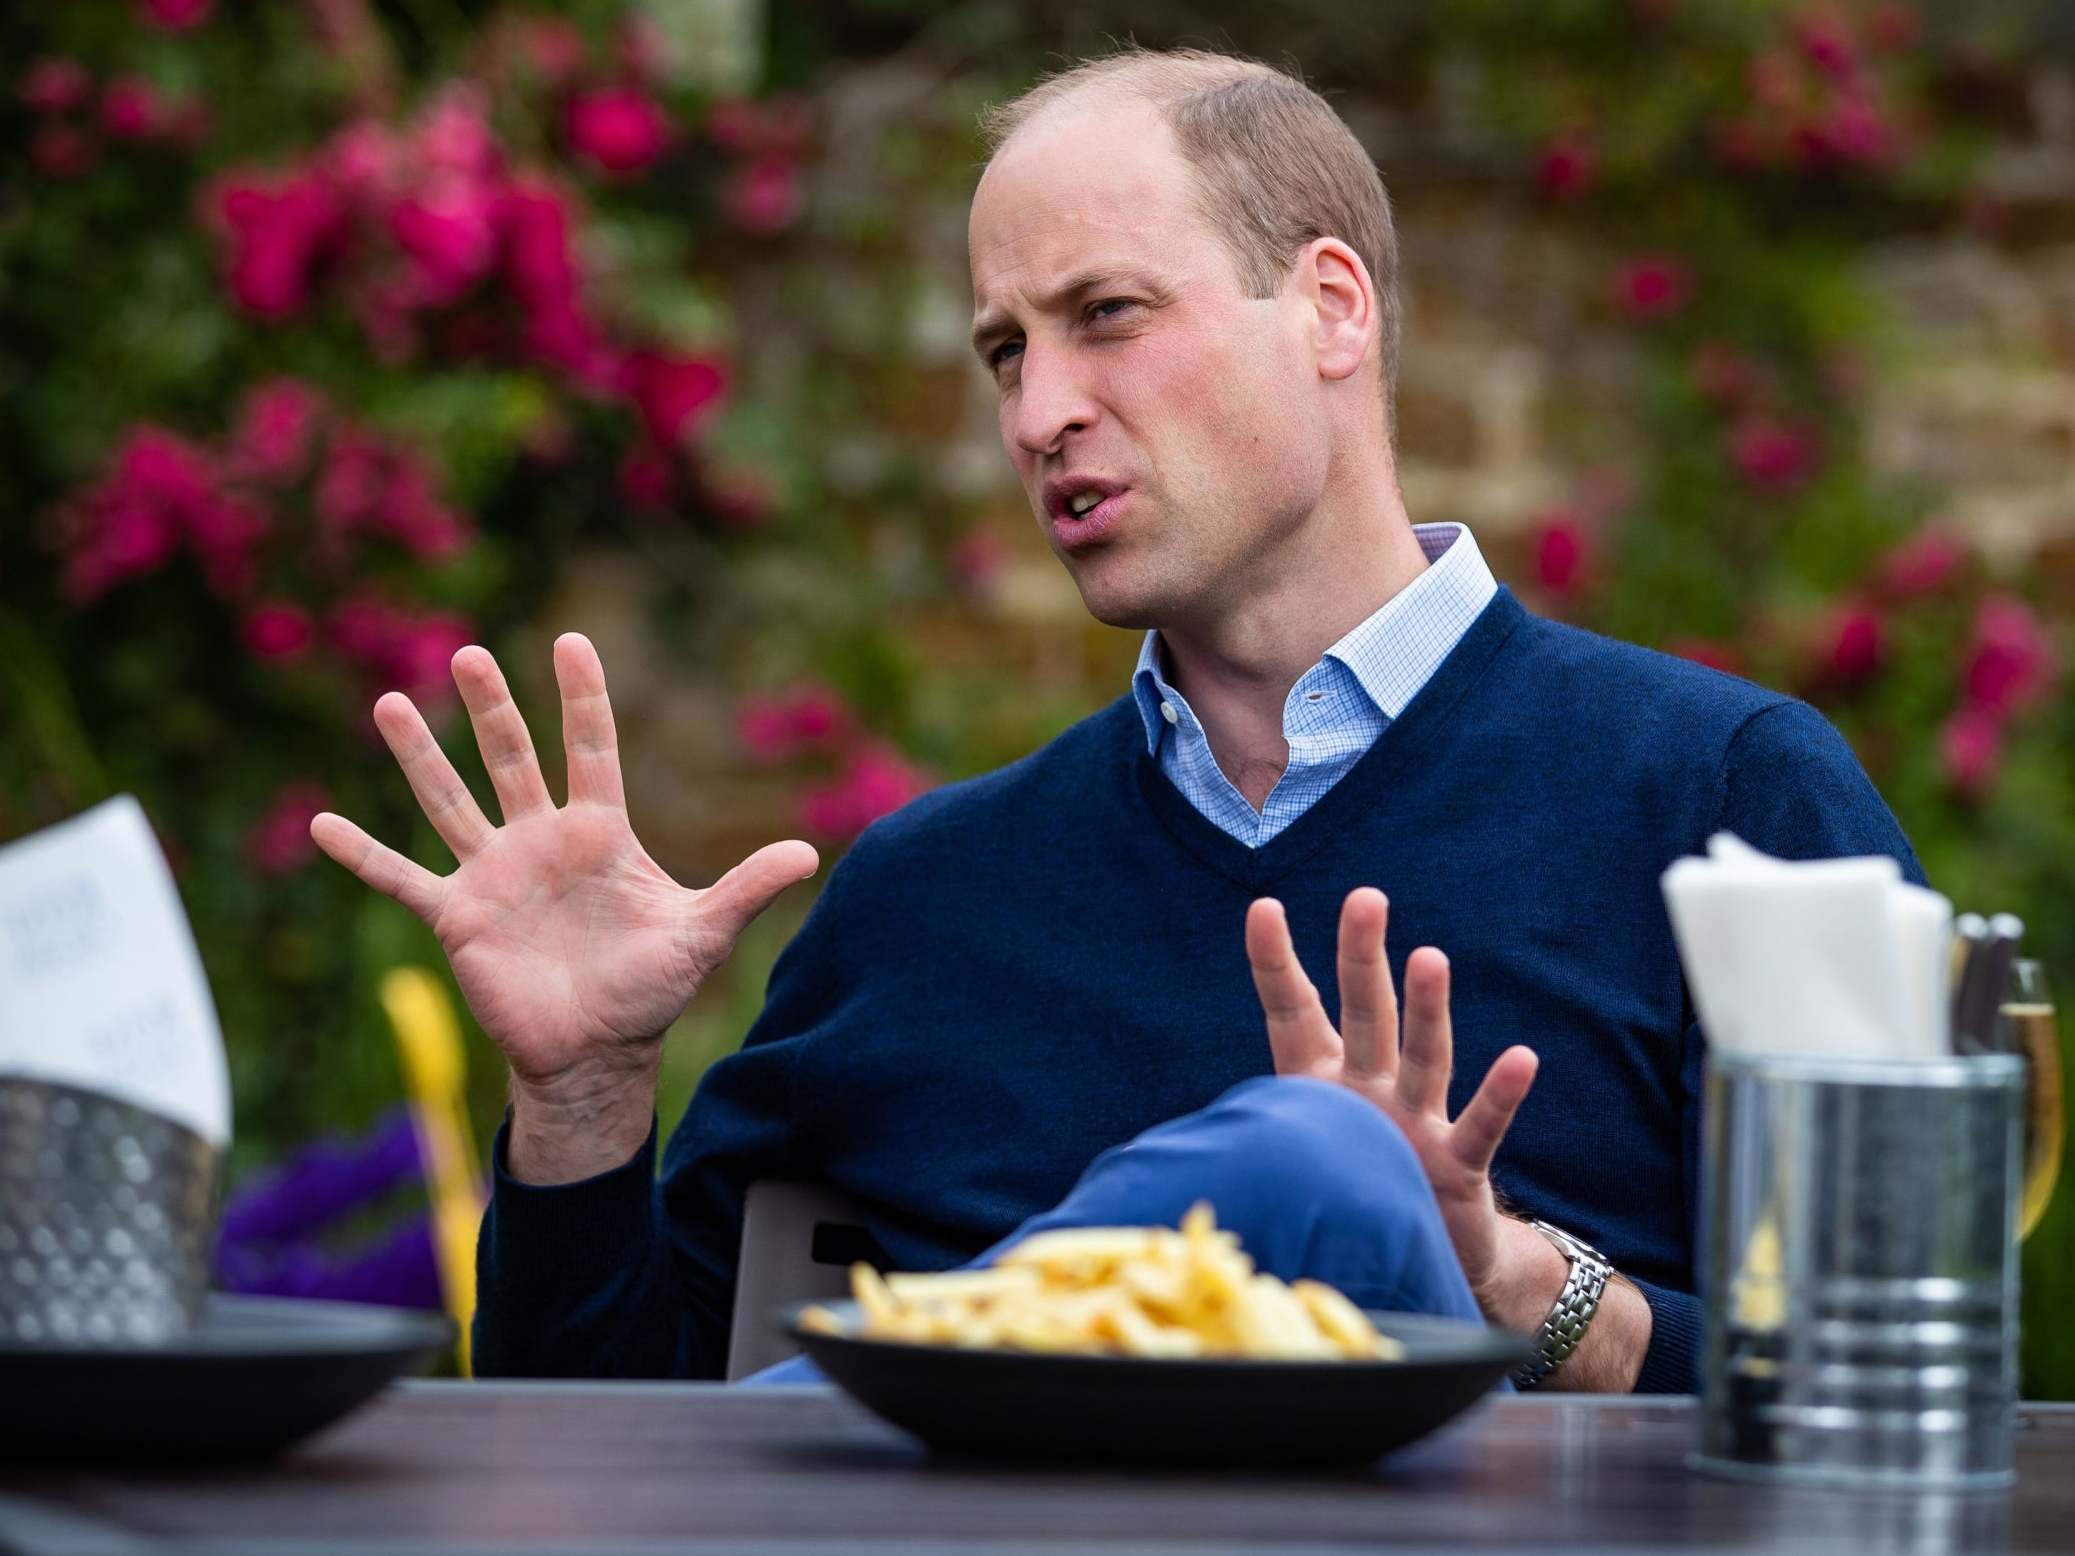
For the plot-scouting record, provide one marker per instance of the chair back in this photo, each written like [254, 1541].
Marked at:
[798, 1243]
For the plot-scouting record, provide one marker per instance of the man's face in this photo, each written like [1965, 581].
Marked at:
[1193, 409]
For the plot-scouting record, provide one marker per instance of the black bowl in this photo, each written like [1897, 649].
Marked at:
[256, 1375]
[1139, 1410]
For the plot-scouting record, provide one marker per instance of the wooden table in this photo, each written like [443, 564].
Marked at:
[647, 1468]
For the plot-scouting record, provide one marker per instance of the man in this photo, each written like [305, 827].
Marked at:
[1019, 1000]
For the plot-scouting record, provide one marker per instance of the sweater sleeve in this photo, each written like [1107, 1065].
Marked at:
[620, 1276]
[1792, 787]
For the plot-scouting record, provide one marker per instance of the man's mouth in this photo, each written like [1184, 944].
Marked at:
[1082, 509]
[1079, 525]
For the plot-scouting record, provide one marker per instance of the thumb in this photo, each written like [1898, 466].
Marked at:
[731, 902]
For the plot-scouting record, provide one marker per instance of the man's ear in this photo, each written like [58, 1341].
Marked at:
[1343, 301]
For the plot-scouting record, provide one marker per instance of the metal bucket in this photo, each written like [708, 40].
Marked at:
[1860, 1269]
[107, 1217]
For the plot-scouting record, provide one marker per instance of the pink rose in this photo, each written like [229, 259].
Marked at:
[421, 652]
[765, 195]
[1922, 565]
[176, 15]
[130, 108]
[1852, 128]
[875, 781]
[362, 161]
[223, 531]
[411, 513]
[1567, 168]
[1651, 286]
[540, 264]
[361, 628]
[1826, 41]
[672, 392]
[1562, 554]
[278, 231]
[155, 466]
[1970, 748]
[1771, 455]
[279, 841]
[453, 139]
[2011, 663]
[275, 629]
[272, 440]
[412, 654]
[807, 718]
[55, 85]
[1852, 645]
[354, 478]
[621, 130]
[449, 232]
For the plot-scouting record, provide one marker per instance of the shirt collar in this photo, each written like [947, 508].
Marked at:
[1392, 652]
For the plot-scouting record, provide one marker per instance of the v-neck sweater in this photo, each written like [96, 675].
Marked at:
[1014, 973]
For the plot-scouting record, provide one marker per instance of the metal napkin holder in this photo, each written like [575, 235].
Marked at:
[1860, 1275]
[107, 1220]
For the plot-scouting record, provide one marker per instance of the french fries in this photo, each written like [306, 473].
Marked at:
[1115, 1290]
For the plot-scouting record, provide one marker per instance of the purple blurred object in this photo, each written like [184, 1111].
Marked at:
[401, 1270]
[267, 1244]
[321, 1183]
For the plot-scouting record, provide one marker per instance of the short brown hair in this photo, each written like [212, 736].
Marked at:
[1275, 166]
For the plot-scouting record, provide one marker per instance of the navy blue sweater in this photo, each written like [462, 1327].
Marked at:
[1013, 973]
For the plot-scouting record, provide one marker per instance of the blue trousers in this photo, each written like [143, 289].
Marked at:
[1315, 1180]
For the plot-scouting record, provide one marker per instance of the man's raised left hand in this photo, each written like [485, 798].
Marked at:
[1402, 1067]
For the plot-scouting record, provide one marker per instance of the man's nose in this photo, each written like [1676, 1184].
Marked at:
[1051, 401]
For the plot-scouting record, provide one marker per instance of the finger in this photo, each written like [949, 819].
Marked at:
[1299, 1035]
[1484, 1122]
[501, 735]
[1427, 1054]
[745, 891]
[588, 739]
[382, 867]
[1368, 1003]
[442, 795]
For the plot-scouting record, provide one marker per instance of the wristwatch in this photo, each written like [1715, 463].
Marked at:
[1565, 1326]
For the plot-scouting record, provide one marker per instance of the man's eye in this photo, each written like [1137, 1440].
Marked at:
[1110, 302]
[1000, 354]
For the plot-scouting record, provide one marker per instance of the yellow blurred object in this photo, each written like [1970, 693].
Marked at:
[428, 1039]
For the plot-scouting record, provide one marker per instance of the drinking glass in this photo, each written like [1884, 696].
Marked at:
[2033, 1031]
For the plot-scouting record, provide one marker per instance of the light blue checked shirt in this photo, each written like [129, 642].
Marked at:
[1340, 705]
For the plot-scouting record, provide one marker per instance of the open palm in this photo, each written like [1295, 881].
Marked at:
[1407, 1078]
[574, 949]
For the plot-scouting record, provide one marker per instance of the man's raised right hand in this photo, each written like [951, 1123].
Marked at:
[574, 949]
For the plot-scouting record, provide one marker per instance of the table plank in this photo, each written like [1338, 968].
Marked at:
[554, 1468]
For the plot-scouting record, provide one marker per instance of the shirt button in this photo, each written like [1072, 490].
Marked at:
[1169, 712]
[1314, 696]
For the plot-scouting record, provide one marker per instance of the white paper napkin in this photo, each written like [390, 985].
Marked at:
[100, 983]
[1837, 957]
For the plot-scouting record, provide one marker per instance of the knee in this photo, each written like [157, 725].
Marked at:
[1294, 1139]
